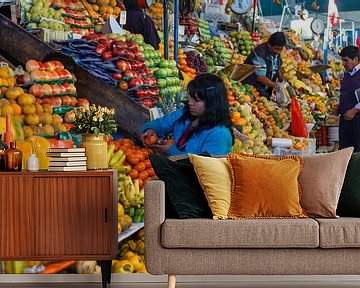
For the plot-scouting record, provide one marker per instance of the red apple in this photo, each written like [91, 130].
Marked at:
[117, 76]
[66, 100]
[72, 89]
[32, 65]
[37, 90]
[55, 89]
[36, 75]
[82, 102]
[67, 87]
[74, 101]
[135, 82]
[120, 44]
[128, 73]
[121, 65]
[49, 66]
[47, 89]
[41, 66]
[132, 45]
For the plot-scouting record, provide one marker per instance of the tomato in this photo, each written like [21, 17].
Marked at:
[143, 175]
[147, 163]
[140, 166]
[141, 183]
[141, 155]
[133, 159]
[146, 180]
[145, 152]
[133, 174]
[150, 171]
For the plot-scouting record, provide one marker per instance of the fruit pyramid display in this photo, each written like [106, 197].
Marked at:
[41, 14]
[215, 51]
[242, 42]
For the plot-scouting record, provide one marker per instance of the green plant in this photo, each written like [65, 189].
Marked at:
[94, 120]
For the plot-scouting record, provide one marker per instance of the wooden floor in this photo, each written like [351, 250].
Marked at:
[190, 285]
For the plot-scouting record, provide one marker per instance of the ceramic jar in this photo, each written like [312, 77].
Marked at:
[95, 151]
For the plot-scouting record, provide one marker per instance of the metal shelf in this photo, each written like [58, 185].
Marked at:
[132, 230]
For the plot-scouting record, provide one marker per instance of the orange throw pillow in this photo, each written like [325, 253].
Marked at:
[265, 186]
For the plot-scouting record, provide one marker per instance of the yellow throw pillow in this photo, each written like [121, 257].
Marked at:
[265, 186]
[215, 179]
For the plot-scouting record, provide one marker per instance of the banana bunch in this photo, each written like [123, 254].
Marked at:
[129, 192]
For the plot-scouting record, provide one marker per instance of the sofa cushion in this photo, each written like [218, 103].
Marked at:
[215, 179]
[265, 186]
[339, 233]
[349, 202]
[321, 181]
[249, 233]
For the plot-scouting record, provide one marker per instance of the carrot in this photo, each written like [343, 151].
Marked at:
[57, 267]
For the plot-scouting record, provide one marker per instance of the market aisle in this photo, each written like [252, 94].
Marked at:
[192, 285]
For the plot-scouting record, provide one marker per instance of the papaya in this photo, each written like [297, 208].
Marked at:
[16, 127]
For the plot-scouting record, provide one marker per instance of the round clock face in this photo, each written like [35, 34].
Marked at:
[317, 26]
[241, 6]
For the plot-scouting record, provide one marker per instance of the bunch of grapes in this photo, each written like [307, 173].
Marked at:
[196, 61]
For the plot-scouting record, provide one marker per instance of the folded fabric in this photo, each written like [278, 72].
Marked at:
[184, 197]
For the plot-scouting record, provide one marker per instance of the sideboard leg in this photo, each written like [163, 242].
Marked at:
[109, 263]
[171, 281]
[104, 273]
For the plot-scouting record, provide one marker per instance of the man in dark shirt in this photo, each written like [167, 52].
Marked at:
[349, 103]
[267, 57]
[137, 22]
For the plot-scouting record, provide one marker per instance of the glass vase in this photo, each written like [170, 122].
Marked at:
[95, 151]
[32, 163]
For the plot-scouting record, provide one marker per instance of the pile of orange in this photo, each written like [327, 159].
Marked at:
[106, 8]
[138, 158]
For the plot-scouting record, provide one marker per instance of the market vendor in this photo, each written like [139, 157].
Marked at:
[267, 56]
[349, 104]
[137, 22]
[203, 125]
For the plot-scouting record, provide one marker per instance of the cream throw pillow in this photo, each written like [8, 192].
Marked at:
[321, 181]
[215, 179]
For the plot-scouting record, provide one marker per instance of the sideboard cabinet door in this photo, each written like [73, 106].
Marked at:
[74, 216]
[16, 218]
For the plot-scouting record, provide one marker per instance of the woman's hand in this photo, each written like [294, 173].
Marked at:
[147, 134]
[162, 148]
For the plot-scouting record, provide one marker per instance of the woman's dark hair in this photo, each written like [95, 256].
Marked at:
[210, 89]
[350, 52]
[277, 39]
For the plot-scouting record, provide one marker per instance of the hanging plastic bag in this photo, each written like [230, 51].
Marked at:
[281, 96]
[298, 125]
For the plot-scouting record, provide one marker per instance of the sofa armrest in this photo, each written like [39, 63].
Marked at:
[154, 204]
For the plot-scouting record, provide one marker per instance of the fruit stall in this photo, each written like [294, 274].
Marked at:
[44, 81]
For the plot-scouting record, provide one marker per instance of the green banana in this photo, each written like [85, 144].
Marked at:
[119, 162]
[110, 151]
[122, 169]
[116, 157]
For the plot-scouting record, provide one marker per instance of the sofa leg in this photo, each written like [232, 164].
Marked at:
[171, 281]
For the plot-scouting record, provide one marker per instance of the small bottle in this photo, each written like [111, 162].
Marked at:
[13, 158]
[3, 148]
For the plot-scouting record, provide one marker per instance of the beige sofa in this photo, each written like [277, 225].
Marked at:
[246, 247]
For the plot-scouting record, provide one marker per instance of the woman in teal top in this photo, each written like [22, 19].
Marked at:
[203, 125]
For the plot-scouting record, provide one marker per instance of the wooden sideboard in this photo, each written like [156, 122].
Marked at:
[58, 216]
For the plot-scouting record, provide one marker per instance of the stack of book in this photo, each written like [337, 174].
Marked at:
[67, 159]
